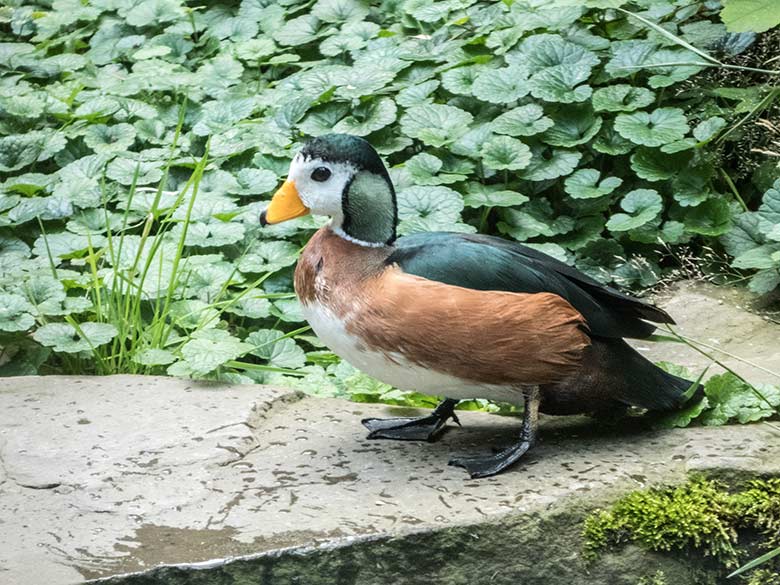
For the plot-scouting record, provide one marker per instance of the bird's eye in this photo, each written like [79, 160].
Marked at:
[320, 174]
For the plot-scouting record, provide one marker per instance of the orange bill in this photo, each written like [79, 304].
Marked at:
[285, 204]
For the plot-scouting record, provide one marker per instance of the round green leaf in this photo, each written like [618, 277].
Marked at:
[368, 117]
[210, 349]
[505, 153]
[154, 357]
[254, 307]
[268, 256]
[435, 124]
[460, 80]
[551, 163]
[440, 206]
[123, 170]
[339, 10]
[610, 142]
[628, 56]
[419, 94]
[106, 139]
[220, 115]
[356, 82]
[20, 150]
[707, 129]
[212, 234]
[533, 219]
[15, 313]
[94, 221]
[522, 121]
[769, 211]
[154, 12]
[206, 276]
[425, 169]
[542, 51]
[502, 86]
[561, 84]
[661, 126]
[584, 184]
[572, 126]
[254, 182]
[765, 281]
[66, 245]
[288, 310]
[338, 44]
[276, 349]
[480, 195]
[711, 218]
[621, 98]
[641, 206]
[323, 119]
[193, 314]
[63, 337]
[299, 31]
[654, 165]
[471, 142]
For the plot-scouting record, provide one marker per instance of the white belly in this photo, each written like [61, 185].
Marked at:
[394, 368]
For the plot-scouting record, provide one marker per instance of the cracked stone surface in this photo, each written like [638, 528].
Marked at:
[118, 474]
[122, 474]
[727, 318]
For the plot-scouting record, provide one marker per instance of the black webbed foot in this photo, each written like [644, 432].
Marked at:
[487, 465]
[425, 428]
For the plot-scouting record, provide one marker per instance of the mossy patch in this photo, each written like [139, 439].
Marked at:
[702, 516]
[659, 578]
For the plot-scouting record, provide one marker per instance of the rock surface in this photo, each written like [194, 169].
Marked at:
[726, 318]
[118, 476]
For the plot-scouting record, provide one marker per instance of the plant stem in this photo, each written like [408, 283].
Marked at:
[760, 107]
[716, 361]
[662, 31]
[261, 368]
[733, 188]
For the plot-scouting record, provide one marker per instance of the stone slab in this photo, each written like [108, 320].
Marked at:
[108, 476]
[727, 318]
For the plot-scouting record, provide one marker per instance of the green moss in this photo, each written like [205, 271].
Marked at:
[764, 577]
[758, 507]
[657, 579]
[702, 516]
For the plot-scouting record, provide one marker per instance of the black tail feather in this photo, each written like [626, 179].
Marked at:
[612, 372]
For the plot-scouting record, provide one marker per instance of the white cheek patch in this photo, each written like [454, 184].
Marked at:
[321, 197]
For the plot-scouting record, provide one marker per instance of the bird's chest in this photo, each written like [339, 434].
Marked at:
[332, 308]
[331, 283]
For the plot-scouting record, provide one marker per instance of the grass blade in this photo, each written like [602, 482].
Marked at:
[672, 37]
[756, 562]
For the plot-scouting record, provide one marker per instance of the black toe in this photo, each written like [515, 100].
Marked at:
[492, 464]
[425, 428]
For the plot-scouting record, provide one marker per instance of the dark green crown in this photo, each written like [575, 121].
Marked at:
[345, 148]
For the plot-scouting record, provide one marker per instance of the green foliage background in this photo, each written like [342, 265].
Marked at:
[141, 139]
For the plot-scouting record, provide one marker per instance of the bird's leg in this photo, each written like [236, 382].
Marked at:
[425, 428]
[492, 464]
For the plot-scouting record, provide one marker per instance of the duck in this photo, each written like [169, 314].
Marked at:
[459, 315]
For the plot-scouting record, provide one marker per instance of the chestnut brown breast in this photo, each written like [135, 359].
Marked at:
[489, 337]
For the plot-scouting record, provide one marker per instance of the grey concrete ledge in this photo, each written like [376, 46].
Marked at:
[123, 474]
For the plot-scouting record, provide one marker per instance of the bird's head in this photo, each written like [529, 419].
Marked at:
[340, 176]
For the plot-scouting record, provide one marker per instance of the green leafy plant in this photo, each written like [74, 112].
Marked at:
[139, 142]
[755, 242]
[750, 15]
